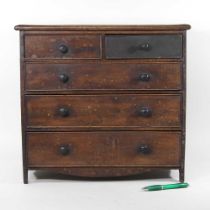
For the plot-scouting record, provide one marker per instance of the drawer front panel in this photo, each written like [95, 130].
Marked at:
[103, 76]
[143, 46]
[63, 46]
[103, 149]
[104, 110]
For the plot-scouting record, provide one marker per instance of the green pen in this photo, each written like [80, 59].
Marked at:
[165, 187]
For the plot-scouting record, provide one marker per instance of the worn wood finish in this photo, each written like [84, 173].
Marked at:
[77, 46]
[103, 149]
[98, 172]
[106, 95]
[86, 28]
[23, 110]
[103, 76]
[104, 110]
[182, 163]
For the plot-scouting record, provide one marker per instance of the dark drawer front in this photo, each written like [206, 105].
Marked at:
[143, 46]
[103, 76]
[63, 46]
[103, 149]
[104, 110]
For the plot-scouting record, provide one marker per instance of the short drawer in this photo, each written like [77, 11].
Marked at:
[124, 148]
[103, 76]
[63, 46]
[143, 46]
[130, 110]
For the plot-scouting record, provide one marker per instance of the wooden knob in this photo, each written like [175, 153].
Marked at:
[144, 47]
[64, 112]
[64, 78]
[144, 77]
[64, 149]
[145, 112]
[144, 149]
[63, 48]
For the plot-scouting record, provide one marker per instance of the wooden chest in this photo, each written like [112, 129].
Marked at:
[103, 101]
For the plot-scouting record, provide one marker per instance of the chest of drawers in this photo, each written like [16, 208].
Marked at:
[103, 101]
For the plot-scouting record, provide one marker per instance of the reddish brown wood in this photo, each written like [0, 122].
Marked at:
[103, 27]
[182, 162]
[103, 149]
[103, 76]
[100, 172]
[79, 46]
[104, 110]
[23, 110]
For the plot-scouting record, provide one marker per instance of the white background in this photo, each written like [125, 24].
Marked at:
[106, 195]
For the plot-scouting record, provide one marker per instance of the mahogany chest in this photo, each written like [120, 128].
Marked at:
[103, 101]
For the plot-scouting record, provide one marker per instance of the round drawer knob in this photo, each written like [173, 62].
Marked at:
[64, 78]
[145, 112]
[144, 77]
[144, 149]
[145, 47]
[64, 149]
[64, 112]
[63, 48]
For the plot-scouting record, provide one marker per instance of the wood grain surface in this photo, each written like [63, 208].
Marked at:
[103, 149]
[103, 76]
[104, 110]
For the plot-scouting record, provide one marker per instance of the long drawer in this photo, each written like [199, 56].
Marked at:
[103, 76]
[131, 110]
[103, 149]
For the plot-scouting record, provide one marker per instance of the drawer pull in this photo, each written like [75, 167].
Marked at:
[144, 149]
[63, 48]
[64, 149]
[64, 112]
[145, 112]
[64, 78]
[144, 77]
[144, 47]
